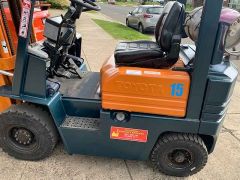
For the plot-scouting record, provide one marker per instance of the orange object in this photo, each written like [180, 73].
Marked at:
[144, 90]
[5, 103]
[39, 17]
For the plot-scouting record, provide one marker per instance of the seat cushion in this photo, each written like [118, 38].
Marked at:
[138, 54]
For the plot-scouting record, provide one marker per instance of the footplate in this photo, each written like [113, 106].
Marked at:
[81, 123]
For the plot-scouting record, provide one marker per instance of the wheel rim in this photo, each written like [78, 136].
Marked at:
[179, 158]
[21, 137]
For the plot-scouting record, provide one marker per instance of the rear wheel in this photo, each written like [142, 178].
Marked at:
[127, 23]
[141, 28]
[179, 154]
[27, 132]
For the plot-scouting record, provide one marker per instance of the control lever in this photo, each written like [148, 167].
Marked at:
[75, 58]
[74, 65]
[66, 36]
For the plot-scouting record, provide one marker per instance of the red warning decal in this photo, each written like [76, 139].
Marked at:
[25, 16]
[128, 134]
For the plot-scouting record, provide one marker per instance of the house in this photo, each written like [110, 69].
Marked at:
[235, 4]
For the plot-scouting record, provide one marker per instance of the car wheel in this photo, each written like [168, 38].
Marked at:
[141, 28]
[127, 23]
[179, 154]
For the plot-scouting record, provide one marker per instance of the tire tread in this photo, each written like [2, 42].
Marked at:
[38, 114]
[171, 137]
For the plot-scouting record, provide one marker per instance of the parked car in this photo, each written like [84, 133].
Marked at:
[112, 2]
[144, 18]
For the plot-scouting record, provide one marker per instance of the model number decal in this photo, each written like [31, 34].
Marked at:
[177, 90]
[129, 134]
[23, 30]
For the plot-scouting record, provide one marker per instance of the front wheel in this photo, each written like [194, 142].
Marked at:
[179, 154]
[27, 132]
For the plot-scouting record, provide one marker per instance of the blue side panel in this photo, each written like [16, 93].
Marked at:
[57, 110]
[220, 86]
[98, 142]
[82, 107]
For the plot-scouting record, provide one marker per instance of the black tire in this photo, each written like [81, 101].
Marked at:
[127, 23]
[179, 154]
[27, 132]
[141, 28]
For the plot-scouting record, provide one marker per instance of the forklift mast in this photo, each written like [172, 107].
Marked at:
[15, 9]
[9, 29]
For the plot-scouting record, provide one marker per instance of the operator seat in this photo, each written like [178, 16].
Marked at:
[160, 54]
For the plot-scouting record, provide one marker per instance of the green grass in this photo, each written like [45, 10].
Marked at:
[189, 7]
[119, 31]
[92, 12]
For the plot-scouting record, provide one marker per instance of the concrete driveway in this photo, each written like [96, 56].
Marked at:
[98, 46]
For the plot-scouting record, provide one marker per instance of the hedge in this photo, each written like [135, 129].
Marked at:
[59, 4]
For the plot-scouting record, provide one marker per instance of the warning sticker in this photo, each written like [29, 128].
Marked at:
[26, 8]
[4, 46]
[128, 134]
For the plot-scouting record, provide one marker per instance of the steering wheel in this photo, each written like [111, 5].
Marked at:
[87, 4]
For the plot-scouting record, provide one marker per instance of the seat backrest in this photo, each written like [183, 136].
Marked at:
[169, 26]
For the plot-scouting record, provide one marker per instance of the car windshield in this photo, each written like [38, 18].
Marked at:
[154, 10]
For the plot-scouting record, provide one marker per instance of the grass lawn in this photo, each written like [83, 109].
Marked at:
[121, 32]
[92, 12]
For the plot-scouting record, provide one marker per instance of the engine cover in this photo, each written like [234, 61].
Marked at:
[144, 90]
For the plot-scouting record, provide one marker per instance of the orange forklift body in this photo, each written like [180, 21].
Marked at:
[153, 91]
[7, 63]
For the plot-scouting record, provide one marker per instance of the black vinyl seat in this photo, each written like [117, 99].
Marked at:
[160, 54]
[137, 52]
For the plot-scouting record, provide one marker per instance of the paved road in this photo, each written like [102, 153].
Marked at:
[117, 13]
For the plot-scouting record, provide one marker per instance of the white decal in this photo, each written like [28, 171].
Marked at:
[134, 72]
[4, 46]
[23, 30]
[152, 73]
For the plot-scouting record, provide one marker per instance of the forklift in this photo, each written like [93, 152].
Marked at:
[9, 39]
[159, 101]
[9, 28]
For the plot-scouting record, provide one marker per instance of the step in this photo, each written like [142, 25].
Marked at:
[81, 123]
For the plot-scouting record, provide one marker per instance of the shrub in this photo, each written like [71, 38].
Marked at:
[59, 4]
